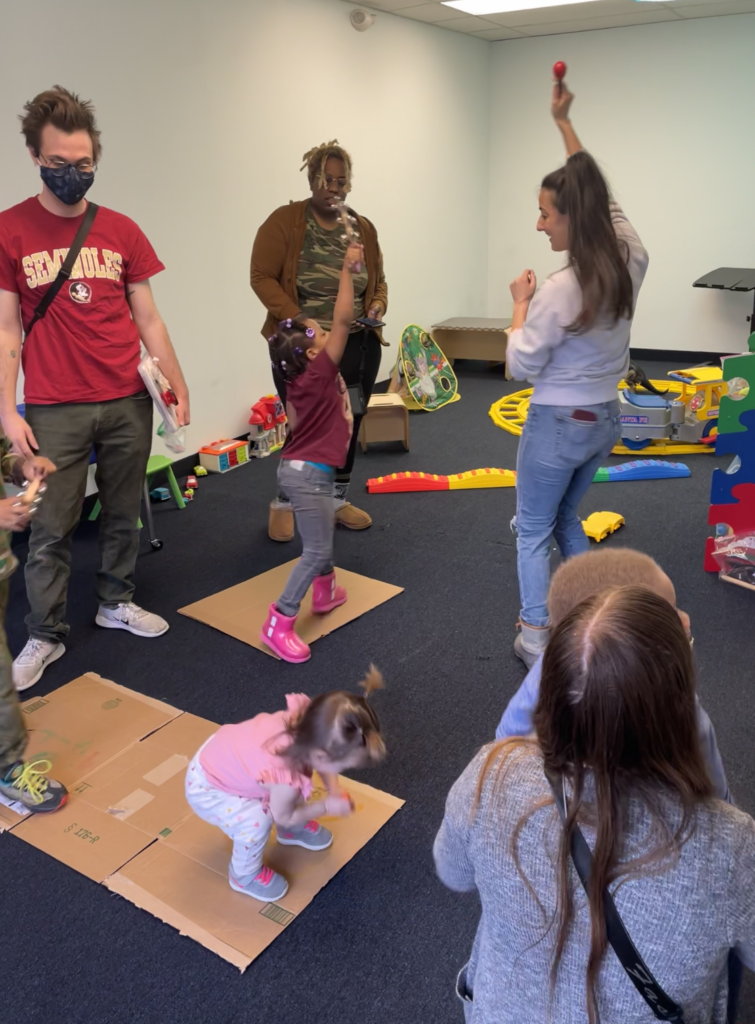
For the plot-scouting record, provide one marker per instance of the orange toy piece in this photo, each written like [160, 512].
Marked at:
[471, 480]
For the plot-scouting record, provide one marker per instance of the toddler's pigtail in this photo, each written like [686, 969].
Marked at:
[372, 681]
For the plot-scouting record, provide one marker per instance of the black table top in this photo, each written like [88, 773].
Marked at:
[732, 278]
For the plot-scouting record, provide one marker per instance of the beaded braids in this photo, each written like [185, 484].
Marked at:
[340, 724]
[315, 161]
[288, 348]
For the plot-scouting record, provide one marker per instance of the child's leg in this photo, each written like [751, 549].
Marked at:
[311, 492]
[245, 821]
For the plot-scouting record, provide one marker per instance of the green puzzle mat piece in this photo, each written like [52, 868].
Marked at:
[427, 372]
[731, 409]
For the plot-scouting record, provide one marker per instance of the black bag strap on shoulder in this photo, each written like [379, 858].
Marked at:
[65, 271]
[663, 1007]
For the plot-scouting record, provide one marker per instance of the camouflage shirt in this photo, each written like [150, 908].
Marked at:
[11, 471]
[319, 271]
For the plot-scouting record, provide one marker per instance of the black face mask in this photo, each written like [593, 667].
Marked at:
[68, 184]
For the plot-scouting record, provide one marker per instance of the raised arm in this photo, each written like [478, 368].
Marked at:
[560, 106]
[17, 430]
[343, 314]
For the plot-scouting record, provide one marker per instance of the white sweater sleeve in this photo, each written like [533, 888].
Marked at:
[626, 233]
[530, 348]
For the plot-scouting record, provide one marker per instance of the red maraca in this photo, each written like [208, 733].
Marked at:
[559, 70]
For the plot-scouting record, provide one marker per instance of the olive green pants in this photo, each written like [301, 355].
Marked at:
[12, 728]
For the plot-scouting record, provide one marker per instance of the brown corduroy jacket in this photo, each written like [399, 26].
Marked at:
[275, 261]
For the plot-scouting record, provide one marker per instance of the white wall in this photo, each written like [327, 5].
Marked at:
[667, 110]
[206, 108]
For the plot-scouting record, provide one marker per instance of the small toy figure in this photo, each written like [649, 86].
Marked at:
[189, 495]
[191, 483]
[200, 471]
[159, 494]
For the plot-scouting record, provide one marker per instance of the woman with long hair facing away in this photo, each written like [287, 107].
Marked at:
[617, 739]
[571, 341]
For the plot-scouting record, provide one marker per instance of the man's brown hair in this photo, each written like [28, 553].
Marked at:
[585, 575]
[64, 110]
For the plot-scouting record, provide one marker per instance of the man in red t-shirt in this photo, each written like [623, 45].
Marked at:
[82, 386]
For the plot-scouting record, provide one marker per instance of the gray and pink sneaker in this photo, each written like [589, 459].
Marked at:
[267, 885]
[311, 836]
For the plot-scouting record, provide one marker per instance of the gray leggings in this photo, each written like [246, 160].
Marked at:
[310, 491]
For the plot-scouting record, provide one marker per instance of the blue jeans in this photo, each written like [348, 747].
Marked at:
[309, 488]
[557, 459]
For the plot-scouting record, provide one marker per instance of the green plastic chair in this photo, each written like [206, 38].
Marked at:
[157, 464]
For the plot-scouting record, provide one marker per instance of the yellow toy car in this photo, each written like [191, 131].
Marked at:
[598, 525]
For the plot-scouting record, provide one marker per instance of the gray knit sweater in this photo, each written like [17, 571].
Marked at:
[683, 921]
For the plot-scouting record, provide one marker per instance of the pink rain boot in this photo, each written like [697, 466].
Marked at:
[278, 634]
[326, 595]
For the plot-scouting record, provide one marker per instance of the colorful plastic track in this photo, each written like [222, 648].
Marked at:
[475, 478]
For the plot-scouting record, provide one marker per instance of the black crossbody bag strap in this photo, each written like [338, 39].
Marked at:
[65, 271]
[663, 1007]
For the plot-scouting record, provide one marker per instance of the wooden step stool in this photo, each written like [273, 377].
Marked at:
[386, 419]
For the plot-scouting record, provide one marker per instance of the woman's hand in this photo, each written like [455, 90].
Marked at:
[561, 101]
[376, 311]
[13, 515]
[523, 287]
[37, 468]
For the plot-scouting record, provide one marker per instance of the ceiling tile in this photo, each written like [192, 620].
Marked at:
[383, 5]
[589, 24]
[496, 34]
[711, 9]
[469, 24]
[431, 12]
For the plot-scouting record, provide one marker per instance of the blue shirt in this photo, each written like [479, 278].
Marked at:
[517, 721]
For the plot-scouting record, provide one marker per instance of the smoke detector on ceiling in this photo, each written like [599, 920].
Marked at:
[361, 20]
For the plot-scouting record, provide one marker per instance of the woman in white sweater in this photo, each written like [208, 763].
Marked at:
[571, 341]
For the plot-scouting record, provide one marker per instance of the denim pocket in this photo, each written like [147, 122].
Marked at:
[463, 991]
[578, 440]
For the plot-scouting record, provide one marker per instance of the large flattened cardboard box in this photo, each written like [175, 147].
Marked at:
[127, 825]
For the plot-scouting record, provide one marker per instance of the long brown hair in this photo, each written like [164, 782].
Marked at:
[616, 717]
[580, 192]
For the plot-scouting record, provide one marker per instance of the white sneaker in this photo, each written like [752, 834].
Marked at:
[33, 660]
[133, 618]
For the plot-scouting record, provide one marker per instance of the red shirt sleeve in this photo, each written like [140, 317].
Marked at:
[141, 262]
[8, 280]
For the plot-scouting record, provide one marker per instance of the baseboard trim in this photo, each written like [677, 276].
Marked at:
[681, 358]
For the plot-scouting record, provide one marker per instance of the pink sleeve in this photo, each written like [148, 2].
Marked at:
[279, 775]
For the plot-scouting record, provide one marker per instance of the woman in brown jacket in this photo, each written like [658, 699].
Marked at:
[296, 264]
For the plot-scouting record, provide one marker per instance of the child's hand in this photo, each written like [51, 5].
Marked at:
[38, 468]
[339, 806]
[354, 257]
[13, 515]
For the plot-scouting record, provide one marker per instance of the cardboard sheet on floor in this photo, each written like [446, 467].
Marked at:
[240, 611]
[123, 757]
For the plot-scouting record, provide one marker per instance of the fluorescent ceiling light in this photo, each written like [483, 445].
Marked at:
[504, 6]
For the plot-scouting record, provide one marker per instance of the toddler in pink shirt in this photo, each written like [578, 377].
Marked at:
[250, 776]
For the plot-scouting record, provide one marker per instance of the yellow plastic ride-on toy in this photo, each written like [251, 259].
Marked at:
[598, 525]
[687, 416]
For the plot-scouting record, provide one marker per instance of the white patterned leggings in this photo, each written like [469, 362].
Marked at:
[246, 821]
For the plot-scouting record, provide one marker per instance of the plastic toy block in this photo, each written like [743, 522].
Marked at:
[743, 445]
[640, 469]
[731, 410]
[738, 514]
[471, 480]
[599, 525]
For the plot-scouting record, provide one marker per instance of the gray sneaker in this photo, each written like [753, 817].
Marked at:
[26, 783]
[267, 885]
[311, 836]
[530, 644]
[33, 660]
[133, 618]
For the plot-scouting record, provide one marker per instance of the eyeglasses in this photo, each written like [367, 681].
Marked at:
[58, 165]
[340, 182]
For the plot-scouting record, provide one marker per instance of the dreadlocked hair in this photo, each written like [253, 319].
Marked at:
[288, 348]
[340, 724]
[316, 159]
